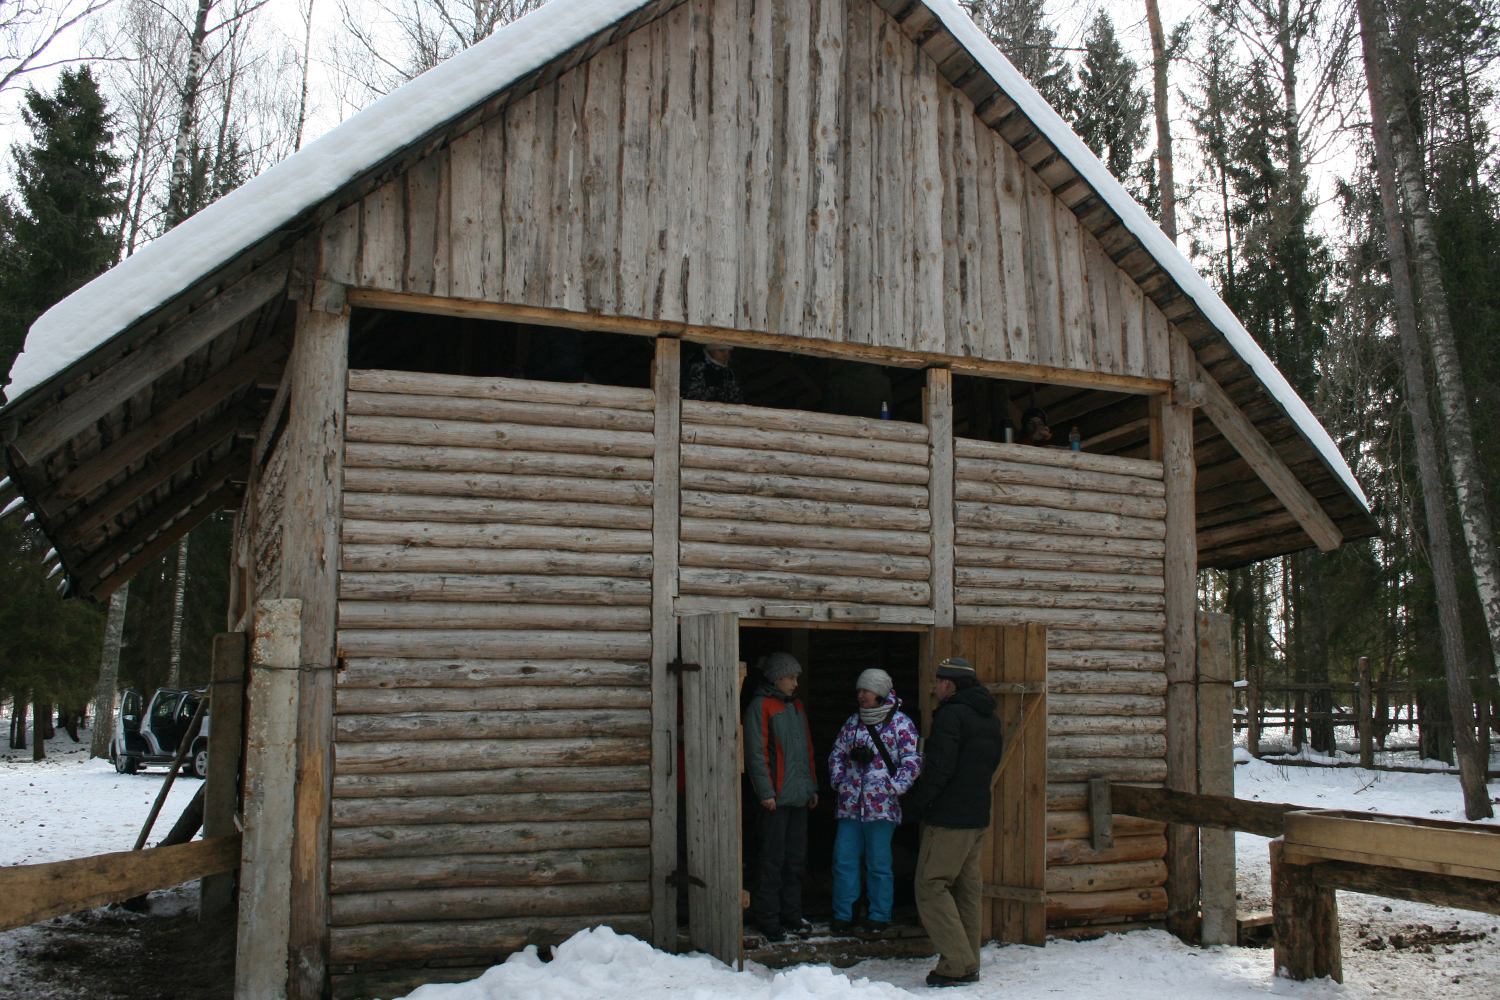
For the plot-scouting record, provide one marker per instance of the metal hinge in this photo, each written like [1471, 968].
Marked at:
[677, 666]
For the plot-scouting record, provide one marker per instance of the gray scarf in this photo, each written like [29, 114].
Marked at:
[876, 716]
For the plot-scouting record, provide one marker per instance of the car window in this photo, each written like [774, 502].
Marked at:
[163, 710]
[189, 706]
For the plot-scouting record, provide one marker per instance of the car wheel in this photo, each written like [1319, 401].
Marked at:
[200, 763]
[126, 764]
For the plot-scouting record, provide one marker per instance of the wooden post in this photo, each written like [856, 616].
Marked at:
[222, 791]
[317, 372]
[261, 971]
[938, 414]
[1216, 774]
[1365, 706]
[1305, 917]
[1180, 582]
[1101, 815]
[665, 509]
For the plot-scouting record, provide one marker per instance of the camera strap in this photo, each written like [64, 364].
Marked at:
[885, 754]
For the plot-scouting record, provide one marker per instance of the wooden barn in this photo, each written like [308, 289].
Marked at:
[436, 362]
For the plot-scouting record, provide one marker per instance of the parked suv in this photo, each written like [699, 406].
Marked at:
[149, 734]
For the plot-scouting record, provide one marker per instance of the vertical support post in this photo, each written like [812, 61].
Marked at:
[1101, 815]
[1365, 706]
[665, 511]
[1181, 593]
[261, 970]
[317, 373]
[221, 794]
[1305, 920]
[1216, 774]
[1253, 705]
[938, 415]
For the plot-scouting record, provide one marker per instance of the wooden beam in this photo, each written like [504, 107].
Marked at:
[221, 797]
[142, 439]
[894, 357]
[1216, 774]
[1221, 812]
[37, 892]
[1267, 463]
[165, 540]
[1305, 919]
[665, 524]
[135, 371]
[938, 415]
[1481, 895]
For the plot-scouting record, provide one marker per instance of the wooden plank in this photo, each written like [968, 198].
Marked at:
[860, 307]
[125, 378]
[1216, 774]
[600, 180]
[467, 201]
[1074, 295]
[340, 247]
[382, 252]
[924, 176]
[634, 291]
[1134, 359]
[423, 193]
[938, 404]
[270, 802]
[221, 797]
[666, 521]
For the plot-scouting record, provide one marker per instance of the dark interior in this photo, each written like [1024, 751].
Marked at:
[831, 661]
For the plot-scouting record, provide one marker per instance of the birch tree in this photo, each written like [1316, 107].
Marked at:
[109, 672]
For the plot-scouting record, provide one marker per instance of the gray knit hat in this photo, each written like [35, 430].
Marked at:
[875, 681]
[779, 665]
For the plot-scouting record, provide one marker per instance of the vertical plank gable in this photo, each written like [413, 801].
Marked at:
[823, 310]
[724, 226]
[599, 266]
[466, 211]
[924, 175]
[858, 230]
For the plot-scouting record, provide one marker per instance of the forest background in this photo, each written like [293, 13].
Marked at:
[126, 116]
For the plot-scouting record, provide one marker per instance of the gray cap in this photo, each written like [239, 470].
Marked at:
[875, 681]
[779, 665]
[955, 668]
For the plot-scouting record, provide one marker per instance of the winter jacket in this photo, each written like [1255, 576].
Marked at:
[869, 792]
[962, 752]
[711, 382]
[778, 749]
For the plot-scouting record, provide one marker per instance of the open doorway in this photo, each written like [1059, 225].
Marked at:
[831, 661]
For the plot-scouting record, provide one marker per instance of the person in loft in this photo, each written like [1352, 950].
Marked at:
[779, 761]
[1034, 429]
[874, 762]
[710, 379]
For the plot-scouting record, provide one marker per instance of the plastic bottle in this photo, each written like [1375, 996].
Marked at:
[885, 410]
[1075, 440]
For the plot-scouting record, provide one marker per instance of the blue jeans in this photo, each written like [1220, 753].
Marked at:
[872, 841]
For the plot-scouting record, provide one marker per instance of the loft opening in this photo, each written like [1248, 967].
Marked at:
[1108, 421]
[783, 380]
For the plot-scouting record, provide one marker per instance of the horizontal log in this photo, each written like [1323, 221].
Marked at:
[359, 701]
[1002, 598]
[806, 586]
[975, 555]
[1011, 517]
[504, 437]
[826, 514]
[532, 390]
[555, 866]
[436, 458]
[1073, 824]
[1071, 618]
[829, 445]
[469, 510]
[1106, 704]
[1107, 876]
[490, 536]
[1130, 745]
[1106, 682]
[1221, 812]
[755, 557]
[607, 778]
[1113, 768]
[1097, 639]
[1033, 474]
[1020, 540]
[479, 485]
[437, 839]
[1072, 581]
[1080, 850]
[496, 643]
[507, 808]
[386, 672]
[806, 536]
[1067, 796]
[488, 903]
[445, 615]
[1059, 458]
[796, 463]
[496, 411]
[391, 558]
[1103, 725]
[1098, 905]
[804, 488]
[1104, 659]
[485, 939]
[801, 421]
[782, 609]
[516, 588]
[409, 756]
[1481, 895]
[1014, 495]
[477, 725]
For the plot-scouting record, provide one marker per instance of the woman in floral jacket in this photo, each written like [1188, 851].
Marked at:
[869, 784]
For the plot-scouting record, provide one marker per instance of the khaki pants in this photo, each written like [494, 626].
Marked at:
[949, 895]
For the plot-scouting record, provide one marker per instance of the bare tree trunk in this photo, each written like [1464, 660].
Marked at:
[1167, 184]
[1444, 573]
[18, 722]
[187, 117]
[179, 599]
[39, 729]
[306, 58]
[109, 671]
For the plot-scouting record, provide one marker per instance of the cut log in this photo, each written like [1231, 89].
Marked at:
[510, 588]
[1113, 768]
[801, 421]
[1033, 540]
[1103, 725]
[357, 701]
[1060, 499]
[806, 536]
[1072, 618]
[1021, 579]
[1032, 474]
[465, 510]
[510, 808]
[1058, 458]
[829, 445]
[1073, 824]
[626, 778]
[1010, 517]
[1092, 682]
[1080, 850]
[805, 488]
[533, 725]
[754, 557]
[1106, 704]
[1189, 809]
[492, 643]
[481, 904]
[975, 555]
[1040, 599]
[430, 458]
[1109, 876]
[431, 559]
[805, 586]
[444, 615]
[1104, 659]
[487, 939]
[555, 866]
[1065, 747]
[794, 463]
[1065, 638]
[464, 673]
[504, 437]
[491, 536]
[437, 839]
[408, 756]
[525, 390]
[496, 411]
[1099, 905]
[826, 514]
[479, 485]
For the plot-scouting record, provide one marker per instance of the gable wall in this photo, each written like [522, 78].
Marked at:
[673, 177]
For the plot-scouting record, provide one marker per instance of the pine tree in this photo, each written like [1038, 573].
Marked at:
[55, 232]
[1019, 29]
[1108, 109]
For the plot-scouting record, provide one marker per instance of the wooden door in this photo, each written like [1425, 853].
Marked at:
[710, 726]
[1012, 661]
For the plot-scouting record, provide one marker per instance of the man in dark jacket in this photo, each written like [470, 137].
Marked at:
[953, 796]
[710, 378]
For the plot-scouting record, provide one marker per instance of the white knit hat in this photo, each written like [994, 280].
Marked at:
[875, 681]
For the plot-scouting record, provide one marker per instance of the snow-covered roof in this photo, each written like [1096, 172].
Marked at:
[165, 268]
